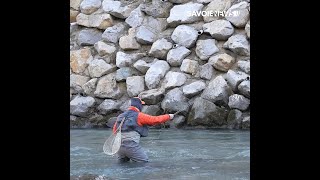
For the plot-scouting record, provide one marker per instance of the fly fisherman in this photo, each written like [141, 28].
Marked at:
[135, 126]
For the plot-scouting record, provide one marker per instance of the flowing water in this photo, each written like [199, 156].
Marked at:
[173, 154]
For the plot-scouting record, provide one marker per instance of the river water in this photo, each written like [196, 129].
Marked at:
[173, 154]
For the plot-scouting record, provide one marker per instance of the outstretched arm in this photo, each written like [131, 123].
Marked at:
[145, 119]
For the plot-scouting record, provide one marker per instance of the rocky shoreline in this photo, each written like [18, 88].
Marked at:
[199, 65]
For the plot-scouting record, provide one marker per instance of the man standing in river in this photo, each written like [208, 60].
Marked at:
[135, 126]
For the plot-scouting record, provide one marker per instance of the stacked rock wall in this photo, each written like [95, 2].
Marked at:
[187, 55]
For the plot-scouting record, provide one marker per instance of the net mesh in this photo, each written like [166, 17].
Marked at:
[113, 143]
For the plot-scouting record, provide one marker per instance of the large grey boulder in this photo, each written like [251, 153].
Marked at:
[234, 119]
[206, 48]
[129, 41]
[142, 65]
[123, 73]
[125, 59]
[216, 6]
[135, 85]
[204, 112]
[176, 56]
[234, 78]
[189, 66]
[75, 4]
[156, 8]
[222, 62]
[145, 36]
[80, 106]
[160, 48]
[100, 21]
[217, 91]
[245, 124]
[119, 9]
[113, 33]
[247, 29]
[155, 73]
[244, 88]
[193, 89]
[153, 110]
[174, 79]
[135, 18]
[90, 86]
[185, 35]
[99, 67]
[107, 87]
[206, 71]
[152, 96]
[219, 29]
[175, 101]
[238, 101]
[180, 14]
[238, 44]
[79, 60]
[89, 6]
[105, 48]
[240, 14]
[108, 106]
[88, 37]
[244, 66]
[77, 81]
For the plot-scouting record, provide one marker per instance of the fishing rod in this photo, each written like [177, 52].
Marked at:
[177, 112]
